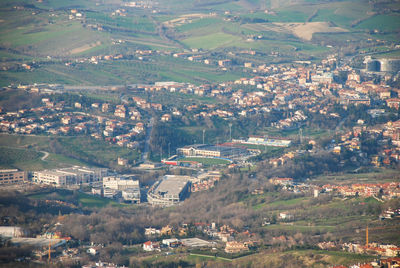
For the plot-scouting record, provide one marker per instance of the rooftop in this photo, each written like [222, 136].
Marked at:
[172, 185]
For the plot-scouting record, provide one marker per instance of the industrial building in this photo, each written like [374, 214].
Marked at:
[170, 190]
[207, 150]
[70, 176]
[12, 176]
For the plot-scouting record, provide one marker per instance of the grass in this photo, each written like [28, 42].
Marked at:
[200, 258]
[198, 23]
[211, 41]
[135, 23]
[381, 22]
[121, 72]
[302, 258]
[301, 228]
[377, 175]
[281, 203]
[94, 201]
[58, 37]
[206, 161]
[392, 54]
[29, 159]
[71, 151]
[178, 100]
[294, 133]
[86, 200]
[20, 158]
[294, 201]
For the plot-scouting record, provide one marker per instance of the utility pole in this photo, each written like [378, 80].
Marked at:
[301, 135]
[204, 131]
[169, 150]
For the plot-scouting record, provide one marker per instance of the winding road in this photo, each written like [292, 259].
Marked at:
[46, 154]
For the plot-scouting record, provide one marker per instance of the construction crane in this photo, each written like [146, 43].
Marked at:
[375, 228]
[49, 251]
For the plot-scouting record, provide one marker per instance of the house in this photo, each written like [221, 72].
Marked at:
[151, 231]
[66, 120]
[93, 251]
[172, 242]
[166, 118]
[166, 230]
[281, 181]
[286, 216]
[151, 246]
[235, 247]
[122, 161]
[393, 103]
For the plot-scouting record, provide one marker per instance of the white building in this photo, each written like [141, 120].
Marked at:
[69, 176]
[120, 182]
[131, 195]
[11, 231]
[129, 188]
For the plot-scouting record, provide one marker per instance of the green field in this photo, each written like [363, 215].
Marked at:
[31, 34]
[206, 161]
[23, 152]
[212, 41]
[198, 23]
[85, 200]
[381, 22]
[120, 72]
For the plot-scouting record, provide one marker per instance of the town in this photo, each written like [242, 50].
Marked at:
[299, 97]
[200, 133]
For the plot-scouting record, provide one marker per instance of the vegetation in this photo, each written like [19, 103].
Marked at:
[65, 150]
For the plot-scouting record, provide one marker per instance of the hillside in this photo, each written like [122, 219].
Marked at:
[61, 40]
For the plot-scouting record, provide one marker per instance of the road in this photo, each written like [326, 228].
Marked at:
[46, 154]
[145, 154]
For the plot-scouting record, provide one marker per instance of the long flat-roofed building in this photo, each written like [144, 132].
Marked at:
[207, 150]
[69, 176]
[12, 176]
[169, 191]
